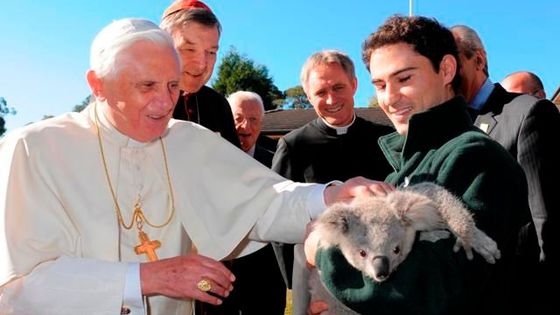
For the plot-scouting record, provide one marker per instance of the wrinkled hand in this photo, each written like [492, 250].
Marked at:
[356, 187]
[178, 277]
[317, 307]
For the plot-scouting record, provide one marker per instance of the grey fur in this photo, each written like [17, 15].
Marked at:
[375, 234]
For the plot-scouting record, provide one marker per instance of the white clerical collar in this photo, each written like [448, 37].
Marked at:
[340, 130]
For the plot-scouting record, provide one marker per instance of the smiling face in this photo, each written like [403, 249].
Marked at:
[247, 115]
[331, 92]
[197, 45]
[406, 82]
[143, 92]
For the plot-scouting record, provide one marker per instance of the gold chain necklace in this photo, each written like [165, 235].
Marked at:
[146, 246]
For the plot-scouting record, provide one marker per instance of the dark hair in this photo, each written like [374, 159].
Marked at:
[201, 16]
[427, 36]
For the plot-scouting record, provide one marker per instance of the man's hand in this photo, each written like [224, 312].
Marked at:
[178, 277]
[310, 248]
[355, 187]
[317, 307]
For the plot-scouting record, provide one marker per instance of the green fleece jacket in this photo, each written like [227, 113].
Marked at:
[444, 147]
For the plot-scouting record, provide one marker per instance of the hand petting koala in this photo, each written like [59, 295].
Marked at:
[375, 234]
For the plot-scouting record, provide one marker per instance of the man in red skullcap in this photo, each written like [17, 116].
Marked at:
[196, 33]
[182, 5]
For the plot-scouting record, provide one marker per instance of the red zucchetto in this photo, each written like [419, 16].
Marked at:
[184, 4]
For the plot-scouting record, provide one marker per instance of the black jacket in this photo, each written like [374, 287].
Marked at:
[209, 109]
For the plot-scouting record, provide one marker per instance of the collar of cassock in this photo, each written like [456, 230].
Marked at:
[340, 130]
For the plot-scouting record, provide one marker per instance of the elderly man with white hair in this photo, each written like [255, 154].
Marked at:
[248, 113]
[259, 269]
[526, 126]
[99, 210]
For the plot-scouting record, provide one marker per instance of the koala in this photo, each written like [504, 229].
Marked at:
[375, 234]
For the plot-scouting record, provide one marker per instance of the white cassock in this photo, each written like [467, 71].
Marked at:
[62, 250]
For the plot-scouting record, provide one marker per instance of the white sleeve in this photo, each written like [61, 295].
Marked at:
[316, 204]
[132, 297]
[281, 224]
[67, 286]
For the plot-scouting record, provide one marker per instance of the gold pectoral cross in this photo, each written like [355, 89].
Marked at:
[147, 247]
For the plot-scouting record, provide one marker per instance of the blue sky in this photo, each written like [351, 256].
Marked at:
[45, 44]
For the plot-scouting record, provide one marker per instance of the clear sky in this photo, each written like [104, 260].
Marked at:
[44, 45]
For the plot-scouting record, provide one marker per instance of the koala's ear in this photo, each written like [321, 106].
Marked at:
[415, 210]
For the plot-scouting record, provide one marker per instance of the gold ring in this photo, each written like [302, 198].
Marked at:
[204, 285]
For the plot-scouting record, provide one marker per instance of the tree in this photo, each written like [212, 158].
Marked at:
[295, 98]
[84, 104]
[4, 110]
[238, 72]
[2, 126]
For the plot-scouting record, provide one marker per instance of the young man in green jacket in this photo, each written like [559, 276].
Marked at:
[414, 68]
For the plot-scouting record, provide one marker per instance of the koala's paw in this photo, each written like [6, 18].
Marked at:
[460, 243]
[482, 244]
[434, 236]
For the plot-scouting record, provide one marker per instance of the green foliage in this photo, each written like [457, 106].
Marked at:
[296, 98]
[238, 72]
[2, 126]
[4, 110]
[78, 108]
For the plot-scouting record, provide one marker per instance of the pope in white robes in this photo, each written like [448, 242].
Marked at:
[69, 187]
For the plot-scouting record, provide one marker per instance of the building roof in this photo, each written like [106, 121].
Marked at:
[279, 121]
[556, 97]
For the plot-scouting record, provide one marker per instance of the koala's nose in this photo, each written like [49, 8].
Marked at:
[381, 267]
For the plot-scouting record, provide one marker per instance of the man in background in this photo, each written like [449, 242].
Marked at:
[259, 286]
[248, 113]
[524, 82]
[337, 145]
[196, 33]
[527, 127]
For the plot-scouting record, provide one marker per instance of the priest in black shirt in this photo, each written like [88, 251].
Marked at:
[337, 145]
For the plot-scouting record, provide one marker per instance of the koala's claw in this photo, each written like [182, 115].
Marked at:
[459, 243]
[481, 244]
[486, 246]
